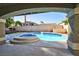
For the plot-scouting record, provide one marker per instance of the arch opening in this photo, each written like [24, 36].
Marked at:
[38, 11]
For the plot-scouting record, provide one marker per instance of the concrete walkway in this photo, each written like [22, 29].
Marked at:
[25, 50]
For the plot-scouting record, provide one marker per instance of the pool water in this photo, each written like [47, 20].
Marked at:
[27, 35]
[52, 37]
[44, 36]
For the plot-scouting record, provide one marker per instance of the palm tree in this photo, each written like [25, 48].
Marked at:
[25, 19]
[66, 22]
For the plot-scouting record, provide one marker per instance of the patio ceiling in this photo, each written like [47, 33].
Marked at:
[11, 7]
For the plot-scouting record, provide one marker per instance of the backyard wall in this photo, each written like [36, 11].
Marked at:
[42, 28]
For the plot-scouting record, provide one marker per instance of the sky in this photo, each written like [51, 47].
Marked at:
[49, 17]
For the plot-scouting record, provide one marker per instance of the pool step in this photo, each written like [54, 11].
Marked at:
[16, 41]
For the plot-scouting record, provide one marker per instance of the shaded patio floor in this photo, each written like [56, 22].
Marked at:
[33, 50]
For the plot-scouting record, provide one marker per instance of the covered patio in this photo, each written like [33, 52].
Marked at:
[72, 10]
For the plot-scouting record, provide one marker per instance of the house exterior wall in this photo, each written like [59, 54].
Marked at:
[73, 40]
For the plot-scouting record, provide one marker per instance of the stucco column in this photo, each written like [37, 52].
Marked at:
[73, 40]
[2, 31]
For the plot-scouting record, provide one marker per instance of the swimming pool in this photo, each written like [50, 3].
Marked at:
[46, 36]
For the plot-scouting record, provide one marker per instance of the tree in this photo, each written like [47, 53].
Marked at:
[66, 22]
[9, 22]
[18, 23]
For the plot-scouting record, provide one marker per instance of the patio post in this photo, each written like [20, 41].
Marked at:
[73, 40]
[2, 31]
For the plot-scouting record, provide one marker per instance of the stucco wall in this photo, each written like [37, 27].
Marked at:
[42, 28]
[35, 28]
[2, 29]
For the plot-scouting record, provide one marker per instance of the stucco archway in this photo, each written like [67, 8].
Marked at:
[37, 10]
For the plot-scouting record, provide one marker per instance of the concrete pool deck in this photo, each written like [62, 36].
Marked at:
[43, 43]
[40, 48]
[35, 50]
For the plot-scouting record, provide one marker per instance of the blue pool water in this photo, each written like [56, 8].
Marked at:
[52, 37]
[27, 35]
[47, 36]
[44, 36]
